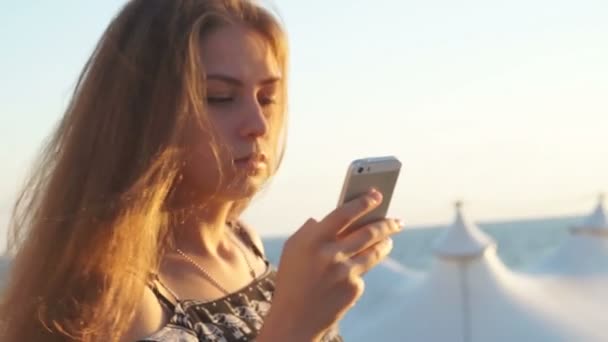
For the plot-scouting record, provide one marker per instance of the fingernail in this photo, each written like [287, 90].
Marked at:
[389, 242]
[375, 194]
[400, 224]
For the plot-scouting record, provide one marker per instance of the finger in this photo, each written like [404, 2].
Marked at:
[369, 235]
[369, 258]
[349, 212]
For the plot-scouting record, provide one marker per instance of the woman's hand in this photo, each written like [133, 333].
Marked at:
[321, 268]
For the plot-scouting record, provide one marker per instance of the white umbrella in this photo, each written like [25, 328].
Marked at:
[585, 251]
[383, 284]
[469, 295]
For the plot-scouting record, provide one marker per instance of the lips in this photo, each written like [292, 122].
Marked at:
[253, 163]
[254, 157]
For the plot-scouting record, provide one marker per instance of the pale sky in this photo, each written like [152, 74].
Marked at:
[501, 103]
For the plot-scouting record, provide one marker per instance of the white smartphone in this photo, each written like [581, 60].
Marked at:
[380, 173]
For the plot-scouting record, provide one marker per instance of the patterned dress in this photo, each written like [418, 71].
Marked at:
[238, 316]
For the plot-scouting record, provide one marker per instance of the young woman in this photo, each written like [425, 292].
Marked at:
[129, 230]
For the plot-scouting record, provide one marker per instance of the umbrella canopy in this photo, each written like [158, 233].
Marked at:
[469, 295]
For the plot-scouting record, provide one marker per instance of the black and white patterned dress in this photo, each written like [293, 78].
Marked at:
[236, 317]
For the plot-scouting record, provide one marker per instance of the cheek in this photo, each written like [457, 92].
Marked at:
[200, 166]
[199, 160]
[226, 128]
[201, 143]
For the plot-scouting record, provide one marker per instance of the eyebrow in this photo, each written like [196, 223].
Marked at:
[236, 81]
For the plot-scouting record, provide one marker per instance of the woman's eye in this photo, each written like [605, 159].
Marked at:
[267, 100]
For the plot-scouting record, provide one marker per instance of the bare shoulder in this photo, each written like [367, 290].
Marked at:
[149, 318]
[253, 234]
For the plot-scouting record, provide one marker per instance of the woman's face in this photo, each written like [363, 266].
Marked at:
[243, 81]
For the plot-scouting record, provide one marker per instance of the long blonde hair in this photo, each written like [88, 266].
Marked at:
[91, 221]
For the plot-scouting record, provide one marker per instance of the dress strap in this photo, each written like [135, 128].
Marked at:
[244, 235]
[153, 284]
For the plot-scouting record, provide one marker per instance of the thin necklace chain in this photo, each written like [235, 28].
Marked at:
[208, 276]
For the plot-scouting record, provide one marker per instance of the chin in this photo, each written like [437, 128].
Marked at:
[246, 188]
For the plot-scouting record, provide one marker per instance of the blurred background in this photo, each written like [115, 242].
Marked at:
[500, 104]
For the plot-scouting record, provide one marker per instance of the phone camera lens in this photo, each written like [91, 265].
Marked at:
[360, 170]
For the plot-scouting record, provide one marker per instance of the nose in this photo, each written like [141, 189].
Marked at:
[255, 123]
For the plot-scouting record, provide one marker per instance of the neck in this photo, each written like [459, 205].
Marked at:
[202, 231]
